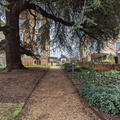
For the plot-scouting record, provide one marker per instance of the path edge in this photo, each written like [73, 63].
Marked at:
[37, 81]
[97, 113]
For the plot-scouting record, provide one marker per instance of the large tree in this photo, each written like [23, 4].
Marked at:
[96, 19]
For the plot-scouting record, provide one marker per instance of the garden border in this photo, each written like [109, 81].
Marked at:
[97, 113]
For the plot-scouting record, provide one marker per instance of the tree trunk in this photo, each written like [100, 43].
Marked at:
[13, 56]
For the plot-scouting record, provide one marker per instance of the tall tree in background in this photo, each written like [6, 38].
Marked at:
[96, 19]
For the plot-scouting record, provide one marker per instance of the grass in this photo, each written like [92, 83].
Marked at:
[4, 118]
[17, 111]
[38, 66]
[31, 66]
[2, 66]
[6, 114]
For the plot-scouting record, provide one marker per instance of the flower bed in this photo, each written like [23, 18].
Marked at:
[102, 90]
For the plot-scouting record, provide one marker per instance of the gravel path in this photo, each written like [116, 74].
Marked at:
[55, 98]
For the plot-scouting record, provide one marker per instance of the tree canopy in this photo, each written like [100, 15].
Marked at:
[75, 22]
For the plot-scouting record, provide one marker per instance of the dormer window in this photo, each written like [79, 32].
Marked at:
[94, 45]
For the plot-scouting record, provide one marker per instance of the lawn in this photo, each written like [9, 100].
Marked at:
[2, 66]
[31, 66]
[37, 66]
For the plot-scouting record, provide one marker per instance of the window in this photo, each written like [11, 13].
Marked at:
[52, 60]
[21, 36]
[1, 63]
[38, 24]
[21, 24]
[37, 50]
[37, 62]
[94, 45]
[118, 45]
[37, 37]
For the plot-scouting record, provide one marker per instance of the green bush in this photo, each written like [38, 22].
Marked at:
[101, 89]
[107, 98]
[67, 67]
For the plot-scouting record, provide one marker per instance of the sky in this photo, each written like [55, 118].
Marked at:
[57, 54]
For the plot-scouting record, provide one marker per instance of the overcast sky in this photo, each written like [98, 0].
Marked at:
[56, 53]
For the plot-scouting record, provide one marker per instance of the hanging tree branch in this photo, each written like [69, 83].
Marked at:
[45, 14]
[3, 5]
[34, 20]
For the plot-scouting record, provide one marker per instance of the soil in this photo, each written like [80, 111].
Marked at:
[55, 98]
[15, 88]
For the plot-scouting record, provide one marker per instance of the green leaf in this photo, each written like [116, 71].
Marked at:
[16, 112]
[91, 21]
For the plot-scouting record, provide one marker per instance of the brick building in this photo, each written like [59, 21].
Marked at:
[32, 39]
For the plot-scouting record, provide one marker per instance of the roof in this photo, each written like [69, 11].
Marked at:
[53, 58]
[63, 56]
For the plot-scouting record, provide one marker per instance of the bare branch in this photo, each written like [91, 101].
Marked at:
[32, 13]
[50, 9]
[34, 18]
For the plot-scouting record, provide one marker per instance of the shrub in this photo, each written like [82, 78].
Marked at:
[101, 89]
[107, 98]
[67, 67]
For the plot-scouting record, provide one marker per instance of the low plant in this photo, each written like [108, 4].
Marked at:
[106, 98]
[102, 89]
[13, 115]
[4, 118]
[67, 67]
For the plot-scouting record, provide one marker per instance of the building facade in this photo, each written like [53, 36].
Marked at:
[90, 52]
[30, 36]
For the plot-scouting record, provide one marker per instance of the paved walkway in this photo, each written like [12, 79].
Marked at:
[55, 98]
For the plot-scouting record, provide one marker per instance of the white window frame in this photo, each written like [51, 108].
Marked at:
[21, 36]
